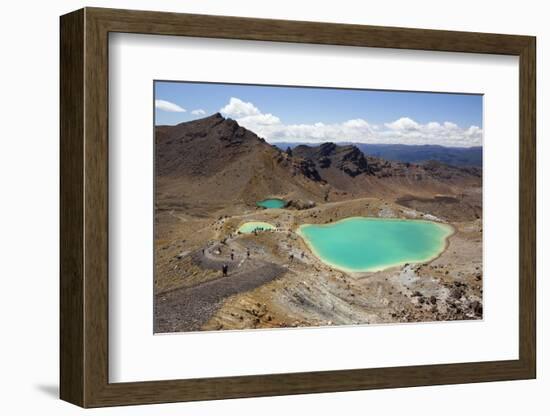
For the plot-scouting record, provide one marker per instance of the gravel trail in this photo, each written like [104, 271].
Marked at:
[188, 309]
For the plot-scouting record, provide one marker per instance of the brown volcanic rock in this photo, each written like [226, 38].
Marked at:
[347, 169]
[349, 159]
[214, 160]
[202, 147]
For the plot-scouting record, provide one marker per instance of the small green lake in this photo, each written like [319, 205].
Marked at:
[361, 244]
[272, 203]
[250, 227]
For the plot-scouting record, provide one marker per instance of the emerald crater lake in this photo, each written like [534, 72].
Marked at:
[272, 203]
[252, 226]
[361, 244]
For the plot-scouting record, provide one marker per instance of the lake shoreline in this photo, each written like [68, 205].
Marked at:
[250, 227]
[272, 203]
[309, 245]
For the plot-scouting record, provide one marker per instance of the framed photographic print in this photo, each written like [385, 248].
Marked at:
[255, 207]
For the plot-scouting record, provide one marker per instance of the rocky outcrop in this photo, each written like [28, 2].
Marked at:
[307, 168]
[353, 162]
[299, 204]
[348, 159]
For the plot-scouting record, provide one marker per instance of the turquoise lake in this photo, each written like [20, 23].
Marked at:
[272, 203]
[250, 227]
[361, 244]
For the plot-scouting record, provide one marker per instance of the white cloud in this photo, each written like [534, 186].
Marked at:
[237, 108]
[198, 112]
[168, 106]
[259, 121]
[403, 124]
[401, 131]
[408, 131]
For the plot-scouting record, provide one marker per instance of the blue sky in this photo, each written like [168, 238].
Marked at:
[324, 114]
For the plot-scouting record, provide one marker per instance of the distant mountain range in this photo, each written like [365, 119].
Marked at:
[455, 156]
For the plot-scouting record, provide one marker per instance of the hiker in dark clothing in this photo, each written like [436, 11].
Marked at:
[248, 252]
[232, 255]
[224, 269]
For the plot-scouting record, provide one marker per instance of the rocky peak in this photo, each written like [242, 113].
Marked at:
[216, 117]
[327, 149]
[348, 158]
[353, 161]
[203, 146]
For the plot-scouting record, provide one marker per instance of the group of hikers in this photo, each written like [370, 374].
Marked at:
[225, 266]
[291, 257]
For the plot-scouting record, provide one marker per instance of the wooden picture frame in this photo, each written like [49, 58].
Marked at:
[84, 207]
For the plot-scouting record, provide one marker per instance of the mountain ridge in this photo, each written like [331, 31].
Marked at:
[217, 158]
[220, 160]
[456, 156]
